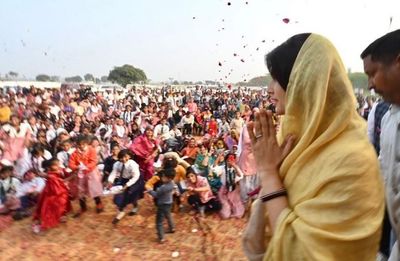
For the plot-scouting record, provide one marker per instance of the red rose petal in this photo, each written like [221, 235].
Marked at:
[286, 20]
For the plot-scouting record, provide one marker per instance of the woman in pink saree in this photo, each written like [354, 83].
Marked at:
[15, 137]
[145, 148]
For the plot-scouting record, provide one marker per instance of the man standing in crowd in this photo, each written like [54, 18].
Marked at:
[382, 65]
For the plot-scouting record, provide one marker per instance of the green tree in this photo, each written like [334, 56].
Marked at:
[97, 80]
[13, 74]
[54, 78]
[359, 80]
[104, 78]
[175, 82]
[43, 78]
[74, 79]
[88, 77]
[126, 74]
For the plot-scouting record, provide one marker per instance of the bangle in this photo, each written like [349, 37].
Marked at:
[276, 194]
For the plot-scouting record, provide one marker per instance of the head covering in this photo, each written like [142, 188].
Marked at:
[335, 191]
[60, 131]
[6, 162]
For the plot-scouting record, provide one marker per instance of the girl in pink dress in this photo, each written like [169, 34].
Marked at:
[229, 193]
[247, 164]
[200, 196]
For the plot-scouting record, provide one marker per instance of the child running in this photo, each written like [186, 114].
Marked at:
[163, 196]
[126, 173]
[53, 202]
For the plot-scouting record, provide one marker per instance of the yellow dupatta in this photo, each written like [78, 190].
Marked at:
[335, 191]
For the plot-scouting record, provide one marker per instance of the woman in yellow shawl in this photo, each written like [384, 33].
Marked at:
[322, 195]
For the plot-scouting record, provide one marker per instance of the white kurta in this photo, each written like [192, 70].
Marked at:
[390, 164]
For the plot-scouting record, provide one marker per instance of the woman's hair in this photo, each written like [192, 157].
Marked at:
[280, 61]
[190, 170]
[125, 152]
[384, 49]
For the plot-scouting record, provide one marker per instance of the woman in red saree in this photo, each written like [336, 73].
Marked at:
[145, 148]
[213, 127]
[53, 201]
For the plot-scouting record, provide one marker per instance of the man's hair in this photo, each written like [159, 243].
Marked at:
[6, 169]
[48, 163]
[82, 139]
[384, 49]
[170, 162]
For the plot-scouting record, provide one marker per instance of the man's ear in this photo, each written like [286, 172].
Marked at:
[397, 61]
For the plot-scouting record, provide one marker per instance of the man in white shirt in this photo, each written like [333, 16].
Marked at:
[28, 193]
[223, 127]
[129, 114]
[382, 65]
[8, 188]
[187, 122]
[162, 130]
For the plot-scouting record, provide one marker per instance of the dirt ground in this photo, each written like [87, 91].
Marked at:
[93, 237]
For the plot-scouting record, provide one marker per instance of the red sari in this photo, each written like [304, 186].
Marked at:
[53, 202]
[213, 128]
[143, 149]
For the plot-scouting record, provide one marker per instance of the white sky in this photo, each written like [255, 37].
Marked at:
[73, 37]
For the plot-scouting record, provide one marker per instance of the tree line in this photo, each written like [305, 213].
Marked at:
[128, 74]
[123, 75]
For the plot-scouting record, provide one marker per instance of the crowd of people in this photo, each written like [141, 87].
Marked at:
[186, 148]
[299, 149]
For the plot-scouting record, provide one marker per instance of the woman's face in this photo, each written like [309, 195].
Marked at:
[278, 97]
[149, 133]
[192, 178]
[15, 121]
[203, 150]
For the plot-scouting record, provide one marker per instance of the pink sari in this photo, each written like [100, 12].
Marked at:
[143, 147]
[13, 145]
